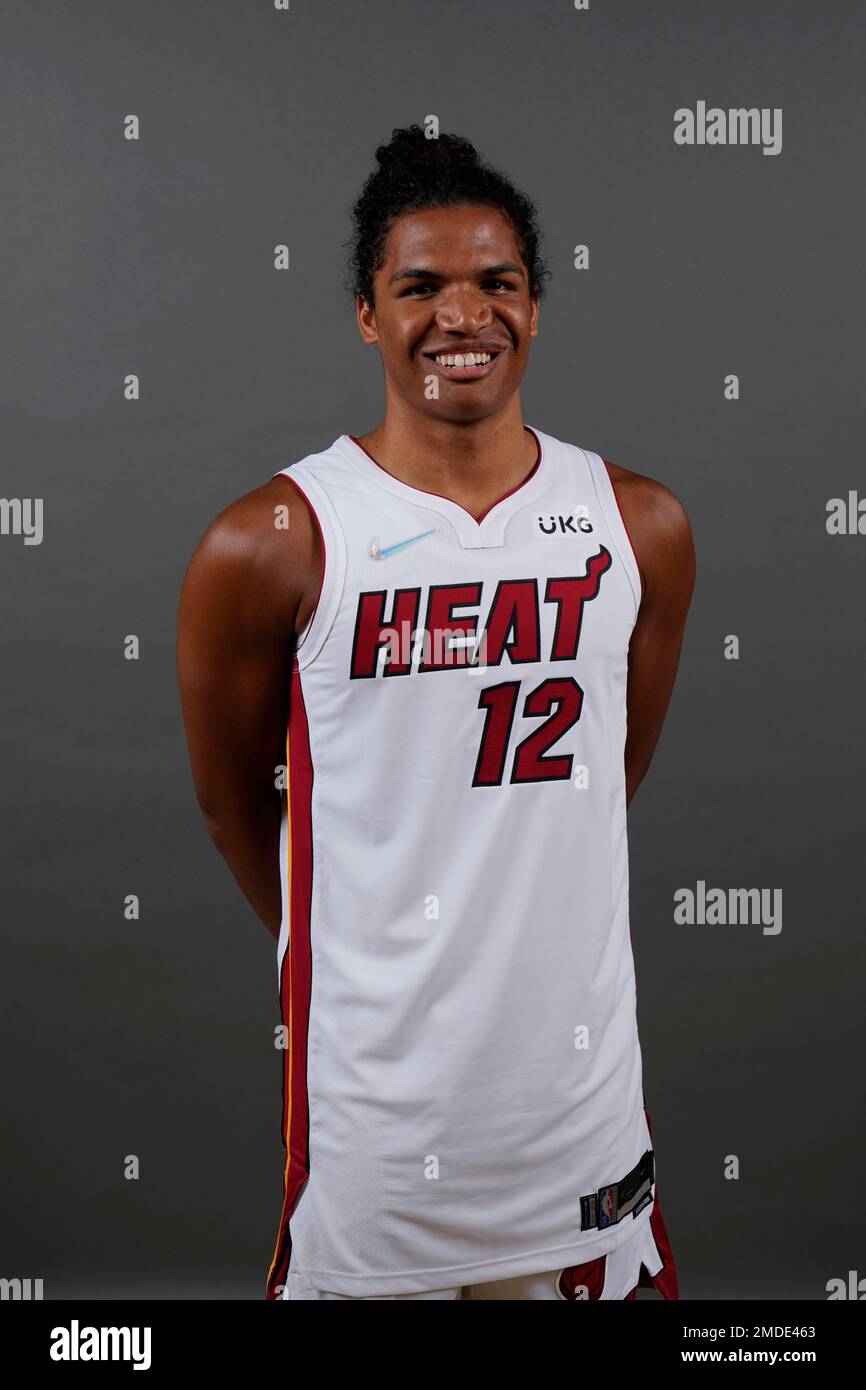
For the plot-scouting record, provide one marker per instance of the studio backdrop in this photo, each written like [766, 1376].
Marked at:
[176, 326]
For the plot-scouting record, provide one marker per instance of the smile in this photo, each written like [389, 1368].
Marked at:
[460, 366]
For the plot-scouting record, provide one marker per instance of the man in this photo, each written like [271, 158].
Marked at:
[439, 628]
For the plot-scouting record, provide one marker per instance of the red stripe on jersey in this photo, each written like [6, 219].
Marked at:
[295, 977]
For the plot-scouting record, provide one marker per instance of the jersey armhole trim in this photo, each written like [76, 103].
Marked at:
[299, 641]
[309, 643]
[627, 533]
[616, 522]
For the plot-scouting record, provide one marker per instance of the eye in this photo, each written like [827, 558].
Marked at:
[506, 284]
[413, 289]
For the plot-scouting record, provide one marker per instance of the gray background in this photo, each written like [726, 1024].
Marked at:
[155, 257]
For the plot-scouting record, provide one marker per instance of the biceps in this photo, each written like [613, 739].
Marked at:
[654, 655]
[234, 709]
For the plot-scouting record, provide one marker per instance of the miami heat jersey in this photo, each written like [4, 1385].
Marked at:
[463, 1095]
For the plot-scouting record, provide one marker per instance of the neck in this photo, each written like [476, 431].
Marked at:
[474, 463]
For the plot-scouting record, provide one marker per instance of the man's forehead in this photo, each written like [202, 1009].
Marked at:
[447, 230]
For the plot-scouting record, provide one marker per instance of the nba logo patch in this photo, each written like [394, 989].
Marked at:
[607, 1206]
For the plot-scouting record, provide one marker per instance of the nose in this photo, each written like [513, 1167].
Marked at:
[463, 309]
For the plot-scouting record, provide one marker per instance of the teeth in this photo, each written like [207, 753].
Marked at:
[471, 359]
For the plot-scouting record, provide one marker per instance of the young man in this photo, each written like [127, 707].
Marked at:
[439, 628]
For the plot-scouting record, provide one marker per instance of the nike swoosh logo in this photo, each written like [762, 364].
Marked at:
[382, 554]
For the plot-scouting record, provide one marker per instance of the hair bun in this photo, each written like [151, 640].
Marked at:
[412, 146]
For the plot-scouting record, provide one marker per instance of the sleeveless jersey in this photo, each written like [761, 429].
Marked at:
[462, 1083]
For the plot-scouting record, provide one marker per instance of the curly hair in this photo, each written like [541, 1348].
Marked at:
[414, 173]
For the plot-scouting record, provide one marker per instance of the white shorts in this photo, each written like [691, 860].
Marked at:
[644, 1260]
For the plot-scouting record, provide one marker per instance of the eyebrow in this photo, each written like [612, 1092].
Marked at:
[417, 274]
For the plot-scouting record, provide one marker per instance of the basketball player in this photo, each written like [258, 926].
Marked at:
[439, 628]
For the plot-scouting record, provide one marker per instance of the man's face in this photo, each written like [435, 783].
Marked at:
[452, 282]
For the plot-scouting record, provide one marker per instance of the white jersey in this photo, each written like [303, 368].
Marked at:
[463, 1095]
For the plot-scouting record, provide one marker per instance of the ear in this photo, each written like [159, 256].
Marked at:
[366, 320]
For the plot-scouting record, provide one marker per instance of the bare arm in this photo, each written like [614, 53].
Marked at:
[662, 540]
[249, 590]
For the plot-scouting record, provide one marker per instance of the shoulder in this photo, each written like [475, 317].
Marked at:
[649, 501]
[256, 524]
[258, 552]
[658, 527]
